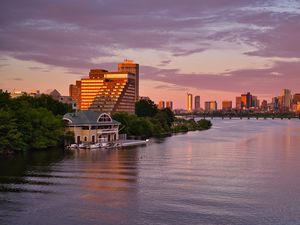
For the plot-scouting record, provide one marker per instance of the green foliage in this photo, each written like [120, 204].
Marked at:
[204, 124]
[145, 108]
[30, 123]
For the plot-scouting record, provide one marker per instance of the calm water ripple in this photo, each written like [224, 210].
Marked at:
[241, 172]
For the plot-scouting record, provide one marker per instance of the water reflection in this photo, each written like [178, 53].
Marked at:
[239, 172]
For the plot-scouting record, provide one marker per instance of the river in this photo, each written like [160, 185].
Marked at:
[239, 172]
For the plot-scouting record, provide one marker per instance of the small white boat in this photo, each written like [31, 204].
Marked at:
[95, 146]
[83, 145]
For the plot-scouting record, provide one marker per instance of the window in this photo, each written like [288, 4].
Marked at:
[104, 118]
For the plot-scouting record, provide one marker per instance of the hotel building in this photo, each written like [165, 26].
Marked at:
[106, 92]
[129, 66]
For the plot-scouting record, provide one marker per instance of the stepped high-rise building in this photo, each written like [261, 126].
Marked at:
[130, 66]
[106, 92]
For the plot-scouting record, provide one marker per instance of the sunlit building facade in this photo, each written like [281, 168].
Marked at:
[189, 102]
[107, 92]
[169, 104]
[226, 105]
[130, 66]
[161, 105]
[238, 102]
[211, 106]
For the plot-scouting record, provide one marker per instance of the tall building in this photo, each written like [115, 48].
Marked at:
[246, 101]
[131, 67]
[106, 92]
[285, 100]
[255, 102]
[197, 103]
[296, 98]
[211, 106]
[161, 105]
[74, 92]
[275, 104]
[264, 105]
[238, 103]
[189, 102]
[169, 104]
[226, 105]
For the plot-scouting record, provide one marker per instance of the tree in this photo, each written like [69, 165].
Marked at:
[170, 116]
[10, 136]
[145, 108]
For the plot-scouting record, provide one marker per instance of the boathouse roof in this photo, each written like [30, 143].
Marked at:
[89, 117]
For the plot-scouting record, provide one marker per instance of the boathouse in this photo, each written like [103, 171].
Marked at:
[91, 126]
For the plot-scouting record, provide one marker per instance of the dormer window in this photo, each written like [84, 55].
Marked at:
[104, 118]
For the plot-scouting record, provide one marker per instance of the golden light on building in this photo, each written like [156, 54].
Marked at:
[106, 91]
[226, 105]
[130, 66]
[189, 102]
[169, 104]
[161, 105]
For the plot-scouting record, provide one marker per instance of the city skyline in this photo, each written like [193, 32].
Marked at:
[217, 49]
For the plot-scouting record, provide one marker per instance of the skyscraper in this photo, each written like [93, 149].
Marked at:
[197, 103]
[238, 103]
[211, 106]
[169, 105]
[226, 105]
[161, 105]
[285, 100]
[131, 67]
[189, 102]
[246, 101]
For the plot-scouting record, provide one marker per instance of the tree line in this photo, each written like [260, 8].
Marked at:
[30, 122]
[149, 121]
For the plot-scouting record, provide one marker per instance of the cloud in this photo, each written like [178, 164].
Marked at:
[254, 80]
[18, 79]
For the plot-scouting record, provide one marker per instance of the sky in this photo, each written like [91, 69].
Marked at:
[217, 49]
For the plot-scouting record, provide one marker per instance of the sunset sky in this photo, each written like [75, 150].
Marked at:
[217, 49]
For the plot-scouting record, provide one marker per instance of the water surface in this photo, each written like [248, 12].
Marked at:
[238, 172]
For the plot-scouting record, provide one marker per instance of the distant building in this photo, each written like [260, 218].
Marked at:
[144, 98]
[189, 102]
[197, 104]
[91, 126]
[255, 102]
[211, 106]
[106, 92]
[169, 104]
[17, 93]
[285, 100]
[246, 101]
[53, 93]
[226, 105]
[264, 105]
[161, 105]
[238, 103]
[275, 104]
[130, 66]
[296, 98]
